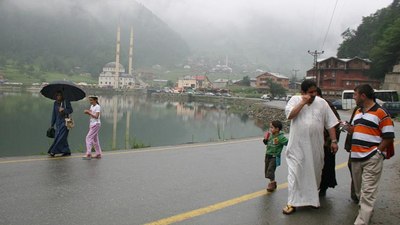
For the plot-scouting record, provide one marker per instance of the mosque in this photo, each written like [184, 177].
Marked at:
[114, 74]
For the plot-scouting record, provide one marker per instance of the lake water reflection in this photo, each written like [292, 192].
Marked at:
[126, 120]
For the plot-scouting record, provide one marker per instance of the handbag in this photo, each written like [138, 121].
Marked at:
[69, 122]
[51, 132]
[347, 142]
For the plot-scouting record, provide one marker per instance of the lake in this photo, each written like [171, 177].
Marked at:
[128, 121]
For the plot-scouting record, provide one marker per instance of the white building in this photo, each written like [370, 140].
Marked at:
[108, 77]
[220, 83]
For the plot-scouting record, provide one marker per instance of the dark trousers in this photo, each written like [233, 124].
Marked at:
[328, 178]
[270, 166]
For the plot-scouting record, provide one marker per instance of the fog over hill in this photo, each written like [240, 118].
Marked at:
[274, 33]
[57, 35]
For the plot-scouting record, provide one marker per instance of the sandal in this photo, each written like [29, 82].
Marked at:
[97, 156]
[288, 209]
[87, 157]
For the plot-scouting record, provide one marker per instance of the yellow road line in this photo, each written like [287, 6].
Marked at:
[197, 212]
[212, 208]
[156, 149]
[221, 205]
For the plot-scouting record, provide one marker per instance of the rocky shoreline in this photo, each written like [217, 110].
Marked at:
[259, 110]
[262, 113]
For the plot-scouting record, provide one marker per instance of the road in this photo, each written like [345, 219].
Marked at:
[213, 183]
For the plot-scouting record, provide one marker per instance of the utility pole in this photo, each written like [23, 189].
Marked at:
[294, 85]
[295, 74]
[315, 54]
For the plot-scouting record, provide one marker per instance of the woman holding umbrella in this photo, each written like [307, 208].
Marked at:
[63, 92]
[61, 109]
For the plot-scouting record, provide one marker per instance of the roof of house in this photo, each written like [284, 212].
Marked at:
[221, 80]
[200, 77]
[197, 77]
[344, 59]
[275, 75]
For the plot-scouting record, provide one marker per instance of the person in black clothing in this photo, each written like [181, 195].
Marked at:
[61, 109]
[328, 177]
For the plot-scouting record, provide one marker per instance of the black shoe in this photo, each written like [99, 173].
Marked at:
[66, 154]
[52, 154]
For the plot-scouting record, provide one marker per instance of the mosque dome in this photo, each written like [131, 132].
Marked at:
[111, 67]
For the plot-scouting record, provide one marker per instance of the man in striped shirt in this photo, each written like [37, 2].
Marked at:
[373, 132]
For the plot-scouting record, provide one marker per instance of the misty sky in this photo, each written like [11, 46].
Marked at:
[302, 24]
[274, 34]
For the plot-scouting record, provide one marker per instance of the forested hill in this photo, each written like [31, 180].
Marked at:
[377, 38]
[59, 35]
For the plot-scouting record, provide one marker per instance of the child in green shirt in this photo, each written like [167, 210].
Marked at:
[274, 142]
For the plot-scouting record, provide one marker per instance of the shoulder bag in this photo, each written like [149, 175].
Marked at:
[69, 122]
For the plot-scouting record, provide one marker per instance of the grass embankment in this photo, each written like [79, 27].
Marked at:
[245, 92]
[32, 74]
[12, 74]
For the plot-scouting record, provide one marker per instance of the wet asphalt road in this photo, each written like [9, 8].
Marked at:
[138, 187]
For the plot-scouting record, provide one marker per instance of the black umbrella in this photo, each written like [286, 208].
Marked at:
[70, 91]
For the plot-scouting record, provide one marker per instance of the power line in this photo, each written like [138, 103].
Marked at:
[329, 26]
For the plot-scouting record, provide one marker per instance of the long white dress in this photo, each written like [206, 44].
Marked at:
[305, 150]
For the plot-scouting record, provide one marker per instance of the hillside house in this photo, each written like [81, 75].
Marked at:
[262, 79]
[194, 82]
[220, 83]
[333, 75]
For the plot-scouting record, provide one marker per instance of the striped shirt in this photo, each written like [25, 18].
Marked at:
[370, 128]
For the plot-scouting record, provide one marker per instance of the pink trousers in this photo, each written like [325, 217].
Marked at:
[92, 139]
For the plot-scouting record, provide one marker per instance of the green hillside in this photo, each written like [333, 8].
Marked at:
[39, 39]
[377, 38]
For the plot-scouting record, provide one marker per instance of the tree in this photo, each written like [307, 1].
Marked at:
[377, 38]
[276, 89]
[387, 52]
[246, 81]
[348, 34]
[345, 48]
[170, 83]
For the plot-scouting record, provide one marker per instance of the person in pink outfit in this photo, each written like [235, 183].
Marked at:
[92, 138]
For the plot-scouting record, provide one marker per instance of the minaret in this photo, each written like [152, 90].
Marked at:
[116, 84]
[226, 60]
[115, 120]
[130, 53]
[128, 122]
